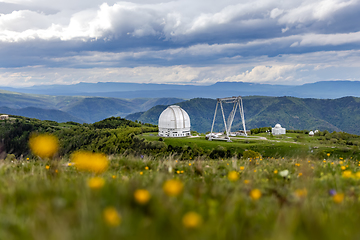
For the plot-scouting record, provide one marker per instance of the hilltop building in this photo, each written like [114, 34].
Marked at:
[174, 122]
[4, 117]
[311, 134]
[277, 130]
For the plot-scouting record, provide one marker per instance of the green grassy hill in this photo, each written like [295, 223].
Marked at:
[341, 114]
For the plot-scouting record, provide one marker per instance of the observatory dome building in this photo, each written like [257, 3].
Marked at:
[277, 130]
[174, 122]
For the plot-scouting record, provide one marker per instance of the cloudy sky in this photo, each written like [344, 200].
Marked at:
[183, 42]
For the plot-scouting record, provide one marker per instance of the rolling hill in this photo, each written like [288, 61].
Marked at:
[41, 114]
[77, 108]
[341, 114]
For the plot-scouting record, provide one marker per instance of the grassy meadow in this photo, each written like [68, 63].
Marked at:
[263, 198]
[116, 179]
[291, 145]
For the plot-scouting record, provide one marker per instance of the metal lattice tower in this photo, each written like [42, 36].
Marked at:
[237, 103]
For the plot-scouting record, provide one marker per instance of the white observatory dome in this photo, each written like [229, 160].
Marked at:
[277, 130]
[174, 122]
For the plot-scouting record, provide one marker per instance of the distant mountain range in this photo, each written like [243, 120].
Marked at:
[322, 90]
[341, 114]
[77, 109]
[62, 104]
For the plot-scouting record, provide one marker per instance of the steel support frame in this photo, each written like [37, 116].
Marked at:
[237, 101]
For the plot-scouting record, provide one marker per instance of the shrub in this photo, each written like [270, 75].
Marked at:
[251, 154]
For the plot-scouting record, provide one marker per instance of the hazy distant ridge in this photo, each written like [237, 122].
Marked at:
[70, 108]
[42, 114]
[324, 89]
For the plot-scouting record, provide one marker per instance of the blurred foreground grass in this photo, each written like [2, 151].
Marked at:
[297, 199]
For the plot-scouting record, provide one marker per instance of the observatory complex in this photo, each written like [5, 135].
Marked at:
[174, 122]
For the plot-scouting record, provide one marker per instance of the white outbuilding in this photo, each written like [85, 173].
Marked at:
[4, 117]
[277, 130]
[311, 134]
[174, 122]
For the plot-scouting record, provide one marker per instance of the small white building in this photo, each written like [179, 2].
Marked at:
[4, 117]
[174, 122]
[277, 130]
[311, 134]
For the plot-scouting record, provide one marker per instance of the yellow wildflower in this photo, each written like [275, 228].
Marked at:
[111, 216]
[141, 173]
[173, 187]
[301, 193]
[343, 167]
[328, 154]
[233, 176]
[255, 170]
[275, 171]
[146, 168]
[192, 220]
[246, 181]
[69, 164]
[341, 158]
[338, 197]
[255, 194]
[142, 196]
[56, 171]
[90, 162]
[47, 167]
[347, 174]
[182, 171]
[242, 168]
[178, 172]
[300, 174]
[96, 182]
[189, 164]
[44, 145]
[324, 161]
[113, 176]
[341, 162]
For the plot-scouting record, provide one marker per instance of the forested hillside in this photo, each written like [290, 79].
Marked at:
[341, 114]
[110, 136]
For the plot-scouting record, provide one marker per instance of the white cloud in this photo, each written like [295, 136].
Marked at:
[314, 10]
[330, 39]
[276, 12]
[283, 74]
